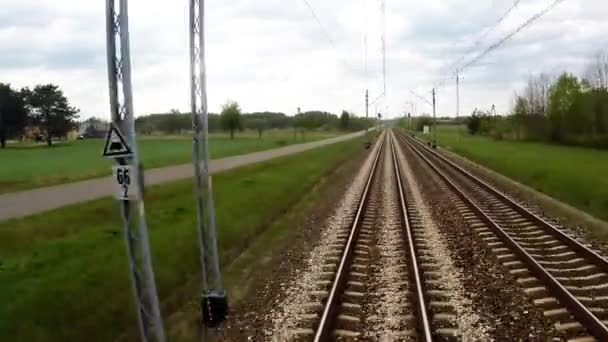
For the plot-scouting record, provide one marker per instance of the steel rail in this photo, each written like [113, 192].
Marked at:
[580, 312]
[424, 323]
[589, 254]
[327, 324]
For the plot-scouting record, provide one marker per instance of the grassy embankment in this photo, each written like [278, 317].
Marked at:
[573, 175]
[63, 274]
[30, 166]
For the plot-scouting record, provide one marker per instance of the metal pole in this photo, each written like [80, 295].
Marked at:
[132, 209]
[366, 110]
[457, 93]
[213, 302]
[434, 119]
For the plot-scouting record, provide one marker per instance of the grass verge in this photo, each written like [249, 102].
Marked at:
[31, 166]
[63, 274]
[574, 175]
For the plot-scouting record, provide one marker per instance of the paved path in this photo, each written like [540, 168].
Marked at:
[23, 203]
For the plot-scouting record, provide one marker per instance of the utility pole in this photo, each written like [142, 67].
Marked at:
[127, 173]
[366, 103]
[366, 110]
[295, 124]
[214, 304]
[457, 94]
[434, 119]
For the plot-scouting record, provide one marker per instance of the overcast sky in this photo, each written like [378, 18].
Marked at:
[273, 55]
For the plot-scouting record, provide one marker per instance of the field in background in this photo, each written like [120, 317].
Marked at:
[30, 166]
[63, 273]
[574, 175]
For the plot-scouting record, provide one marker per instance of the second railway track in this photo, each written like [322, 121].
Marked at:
[565, 278]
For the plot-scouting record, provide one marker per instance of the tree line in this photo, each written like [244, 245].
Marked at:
[232, 119]
[42, 112]
[567, 109]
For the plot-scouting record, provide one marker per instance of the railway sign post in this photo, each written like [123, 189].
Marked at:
[121, 146]
[214, 304]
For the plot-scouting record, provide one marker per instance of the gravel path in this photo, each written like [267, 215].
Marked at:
[13, 205]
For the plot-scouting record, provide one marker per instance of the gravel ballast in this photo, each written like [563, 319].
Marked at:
[471, 327]
[287, 315]
[500, 302]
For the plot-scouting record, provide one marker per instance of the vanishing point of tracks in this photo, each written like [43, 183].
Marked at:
[355, 282]
[565, 278]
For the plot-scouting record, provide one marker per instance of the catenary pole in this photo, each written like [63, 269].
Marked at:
[366, 110]
[128, 168]
[213, 300]
[457, 93]
[434, 118]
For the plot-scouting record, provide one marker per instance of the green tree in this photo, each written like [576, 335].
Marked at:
[259, 125]
[344, 120]
[13, 114]
[420, 121]
[474, 122]
[562, 96]
[230, 117]
[50, 109]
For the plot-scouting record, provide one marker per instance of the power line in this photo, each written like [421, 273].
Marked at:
[523, 26]
[488, 31]
[325, 33]
[421, 98]
[383, 9]
[504, 39]
[365, 28]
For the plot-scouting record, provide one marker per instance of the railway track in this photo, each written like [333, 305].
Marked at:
[565, 278]
[380, 279]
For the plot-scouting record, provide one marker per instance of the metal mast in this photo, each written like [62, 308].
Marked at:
[457, 93]
[434, 91]
[132, 209]
[213, 303]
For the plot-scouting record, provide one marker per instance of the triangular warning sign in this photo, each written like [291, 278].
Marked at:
[116, 146]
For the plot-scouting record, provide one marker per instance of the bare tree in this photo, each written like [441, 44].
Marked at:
[537, 93]
[597, 71]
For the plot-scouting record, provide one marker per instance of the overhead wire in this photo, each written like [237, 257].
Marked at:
[486, 32]
[523, 26]
[325, 33]
[505, 38]
[334, 46]
[332, 42]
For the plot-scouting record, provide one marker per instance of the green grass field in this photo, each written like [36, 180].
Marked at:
[63, 273]
[31, 166]
[574, 175]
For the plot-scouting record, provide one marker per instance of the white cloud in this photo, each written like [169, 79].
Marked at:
[272, 55]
